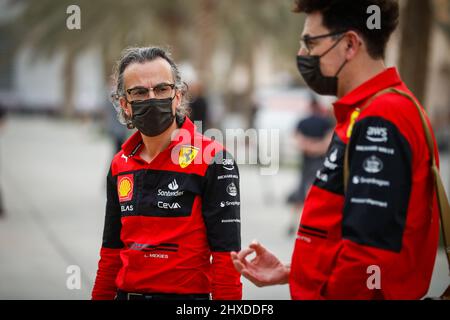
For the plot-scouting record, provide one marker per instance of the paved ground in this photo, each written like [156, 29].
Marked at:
[52, 182]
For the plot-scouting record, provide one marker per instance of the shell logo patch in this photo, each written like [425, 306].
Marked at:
[187, 155]
[125, 186]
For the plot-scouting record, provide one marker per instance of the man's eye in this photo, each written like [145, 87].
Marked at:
[163, 88]
[139, 91]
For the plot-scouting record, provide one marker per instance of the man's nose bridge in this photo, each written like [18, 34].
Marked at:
[302, 51]
[151, 93]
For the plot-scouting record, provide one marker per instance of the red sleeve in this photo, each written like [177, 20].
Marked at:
[108, 267]
[226, 281]
[353, 276]
[110, 262]
[375, 211]
[221, 214]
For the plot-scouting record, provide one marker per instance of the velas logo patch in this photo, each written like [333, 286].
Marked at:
[125, 186]
[187, 155]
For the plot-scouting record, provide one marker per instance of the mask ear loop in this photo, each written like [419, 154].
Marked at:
[174, 115]
[342, 67]
[332, 47]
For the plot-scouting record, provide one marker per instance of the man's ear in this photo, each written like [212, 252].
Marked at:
[177, 99]
[125, 106]
[353, 44]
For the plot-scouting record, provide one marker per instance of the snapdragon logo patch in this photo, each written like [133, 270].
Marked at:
[371, 181]
[224, 204]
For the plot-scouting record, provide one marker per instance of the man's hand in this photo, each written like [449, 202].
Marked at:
[264, 270]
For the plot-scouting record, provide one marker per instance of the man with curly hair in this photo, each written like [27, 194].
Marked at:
[172, 204]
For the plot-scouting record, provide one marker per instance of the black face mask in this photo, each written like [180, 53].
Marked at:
[153, 116]
[309, 68]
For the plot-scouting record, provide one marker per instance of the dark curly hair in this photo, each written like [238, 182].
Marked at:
[352, 15]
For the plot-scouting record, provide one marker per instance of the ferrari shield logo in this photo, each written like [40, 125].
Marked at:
[187, 155]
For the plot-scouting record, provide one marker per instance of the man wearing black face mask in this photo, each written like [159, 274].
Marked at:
[370, 223]
[310, 68]
[173, 208]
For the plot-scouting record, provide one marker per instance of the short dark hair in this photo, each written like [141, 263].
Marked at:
[341, 15]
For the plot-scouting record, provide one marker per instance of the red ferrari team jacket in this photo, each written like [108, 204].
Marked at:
[170, 224]
[379, 239]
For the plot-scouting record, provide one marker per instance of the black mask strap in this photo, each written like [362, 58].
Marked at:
[332, 47]
[341, 67]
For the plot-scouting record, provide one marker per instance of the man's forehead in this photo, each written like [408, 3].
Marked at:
[313, 25]
[155, 71]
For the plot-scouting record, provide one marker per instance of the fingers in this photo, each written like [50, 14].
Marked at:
[244, 253]
[246, 272]
[234, 256]
[239, 260]
[257, 247]
[239, 266]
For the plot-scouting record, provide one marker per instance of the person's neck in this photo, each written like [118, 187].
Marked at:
[154, 145]
[363, 71]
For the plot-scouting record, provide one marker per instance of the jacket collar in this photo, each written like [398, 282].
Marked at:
[386, 79]
[133, 144]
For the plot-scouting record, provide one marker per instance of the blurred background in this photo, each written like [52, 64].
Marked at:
[58, 130]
